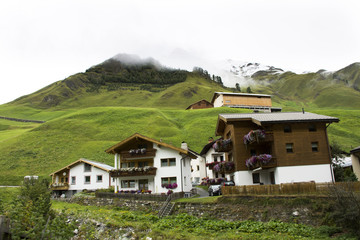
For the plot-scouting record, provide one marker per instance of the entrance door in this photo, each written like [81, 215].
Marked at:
[143, 184]
[272, 178]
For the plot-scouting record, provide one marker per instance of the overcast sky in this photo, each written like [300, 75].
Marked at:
[43, 41]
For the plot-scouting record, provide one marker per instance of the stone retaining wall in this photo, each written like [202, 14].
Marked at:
[293, 210]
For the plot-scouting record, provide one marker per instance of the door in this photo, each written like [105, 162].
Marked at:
[272, 178]
[143, 184]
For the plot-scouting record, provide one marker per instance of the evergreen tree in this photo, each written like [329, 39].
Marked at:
[237, 86]
[248, 90]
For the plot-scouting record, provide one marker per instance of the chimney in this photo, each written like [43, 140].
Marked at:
[184, 145]
[303, 110]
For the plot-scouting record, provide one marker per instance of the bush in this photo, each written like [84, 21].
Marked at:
[31, 216]
[345, 207]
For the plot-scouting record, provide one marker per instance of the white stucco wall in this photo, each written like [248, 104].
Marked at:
[180, 171]
[78, 172]
[218, 102]
[356, 165]
[201, 173]
[318, 173]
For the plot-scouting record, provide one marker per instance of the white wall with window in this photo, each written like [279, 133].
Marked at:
[170, 165]
[198, 170]
[86, 176]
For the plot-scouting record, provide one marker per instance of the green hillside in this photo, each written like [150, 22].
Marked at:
[89, 112]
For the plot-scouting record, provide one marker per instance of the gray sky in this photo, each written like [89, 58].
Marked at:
[43, 41]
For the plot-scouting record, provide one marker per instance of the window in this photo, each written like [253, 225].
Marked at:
[221, 158]
[184, 181]
[127, 164]
[215, 158]
[87, 167]
[99, 178]
[128, 184]
[168, 162]
[198, 167]
[168, 180]
[314, 146]
[289, 147]
[143, 164]
[73, 180]
[312, 128]
[227, 101]
[287, 128]
[256, 177]
[87, 180]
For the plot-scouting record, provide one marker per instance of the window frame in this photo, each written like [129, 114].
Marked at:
[256, 179]
[291, 149]
[316, 148]
[312, 128]
[73, 180]
[166, 162]
[168, 180]
[287, 129]
[87, 182]
[127, 183]
[97, 178]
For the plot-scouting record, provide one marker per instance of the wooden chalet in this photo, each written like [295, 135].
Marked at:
[200, 105]
[269, 148]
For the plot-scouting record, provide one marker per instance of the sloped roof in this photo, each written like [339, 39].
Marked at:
[355, 150]
[238, 94]
[198, 102]
[117, 147]
[99, 165]
[207, 147]
[276, 117]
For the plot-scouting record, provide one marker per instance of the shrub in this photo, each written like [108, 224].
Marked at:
[345, 206]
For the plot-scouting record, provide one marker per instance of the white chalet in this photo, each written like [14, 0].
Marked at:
[145, 164]
[80, 175]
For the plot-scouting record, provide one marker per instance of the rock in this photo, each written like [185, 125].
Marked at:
[295, 214]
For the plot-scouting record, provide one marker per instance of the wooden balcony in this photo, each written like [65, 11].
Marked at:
[137, 154]
[271, 164]
[135, 171]
[59, 186]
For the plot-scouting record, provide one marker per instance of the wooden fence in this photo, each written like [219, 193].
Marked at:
[301, 188]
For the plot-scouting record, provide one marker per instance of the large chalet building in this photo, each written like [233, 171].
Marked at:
[145, 164]
[274, 148]
[256, 102]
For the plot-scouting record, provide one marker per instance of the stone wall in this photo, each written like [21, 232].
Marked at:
[310, 211]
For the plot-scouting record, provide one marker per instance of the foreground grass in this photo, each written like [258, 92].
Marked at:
[183, 226]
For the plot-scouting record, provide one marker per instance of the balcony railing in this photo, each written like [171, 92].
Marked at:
[223, 145]
[271, 164]
[258, 136]
[134, 171]
[138, 153]
[59, 186]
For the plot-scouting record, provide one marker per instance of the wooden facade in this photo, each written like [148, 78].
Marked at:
[200, 105]
[307, 138]
[242, 100]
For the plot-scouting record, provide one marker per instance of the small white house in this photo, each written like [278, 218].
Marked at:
[198, 169]
[212, 158]
[80, 175]
[148, 165]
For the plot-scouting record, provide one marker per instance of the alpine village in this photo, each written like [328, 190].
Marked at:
[141, 151]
